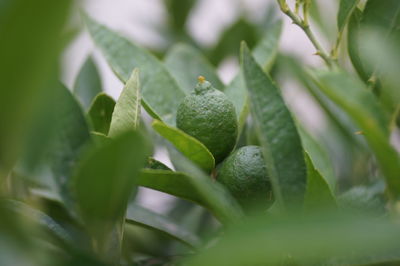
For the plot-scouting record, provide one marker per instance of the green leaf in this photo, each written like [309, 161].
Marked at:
[189, 146]
[265, 53]
[87, 84]
[361, 105]
[41, 219]
[319, 158]
[156, 165]
[319, 239]
[29, 50]
[186, 71]
[218, 200]
[346, 8]
[161, 94]
[178, 12]
[353, 42]
[100, 112]
[71, 139]
[175, 183]
[144, 217]
[105, 178]
[277, 132]
[198, 188]
[126, 115]
[318, 193]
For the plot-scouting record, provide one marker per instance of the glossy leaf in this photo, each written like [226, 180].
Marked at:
[161, 94]
[100, 113]
[29, 50]
[188, 145]
[144, 217]
[105, 178]
[126, 115]
[186, 71]
[87, 84]
[265, 54]
[346, 8]
[318, 194]
[277, 133]
[319, 239]
[360, 104]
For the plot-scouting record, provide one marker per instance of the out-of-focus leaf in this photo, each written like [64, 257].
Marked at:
[318, 194]
[100, 113]
[363, 199]
[161, 94]
[346, 8]
[360, 104]
[353, 42]
[179, 11]
[71, 138]
[174, 183]
[149, 219]
[228, 43]
[126, 115]
[319, 158]
[320, 239]
[87, 84]
[29, 51]
[41, 219]
[185, 63]
[277, 132]
[189, 146]
[156, 165]
[265, 54]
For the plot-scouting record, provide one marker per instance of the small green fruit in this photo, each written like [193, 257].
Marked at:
[245, 175]
[210, 117]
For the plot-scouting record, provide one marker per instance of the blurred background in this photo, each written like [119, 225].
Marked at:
[216, 28]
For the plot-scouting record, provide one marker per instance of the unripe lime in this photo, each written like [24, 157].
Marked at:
[210, 117]
[245, 175]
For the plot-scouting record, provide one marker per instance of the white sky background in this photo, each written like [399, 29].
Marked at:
[138, 20]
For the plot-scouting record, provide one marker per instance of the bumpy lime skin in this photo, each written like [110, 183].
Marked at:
[245, 175]
[209, 116]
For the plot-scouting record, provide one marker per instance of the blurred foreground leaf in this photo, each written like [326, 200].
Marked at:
[87, 84]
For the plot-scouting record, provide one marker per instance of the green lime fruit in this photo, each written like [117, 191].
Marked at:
[210, 117]
[245, 175]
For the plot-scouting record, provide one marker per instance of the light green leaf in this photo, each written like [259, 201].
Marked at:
[346, 8]
[161, 94]
[186, 63]
[100, 113]
[265, 54]
[361, 105]
[126, 115]
[318, 193]
[175, 183]
[105, 178]
[197, 187]
[87, 84]
[144, 217]
[277, 132]
[319, 158]
[189, 146]
[319, 239]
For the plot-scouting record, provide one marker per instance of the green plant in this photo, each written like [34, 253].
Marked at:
[73, 159]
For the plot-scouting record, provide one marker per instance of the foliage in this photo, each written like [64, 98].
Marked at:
[72, 160]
